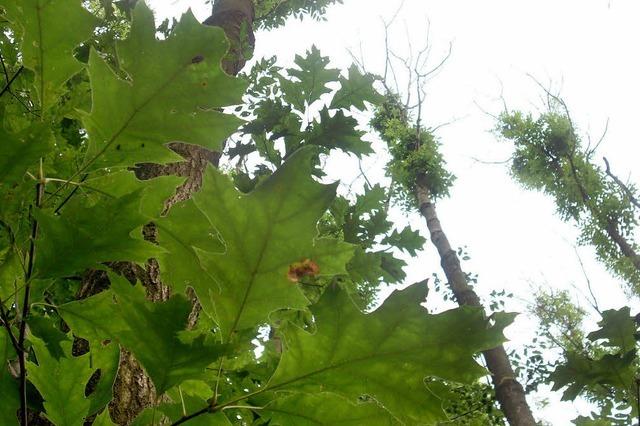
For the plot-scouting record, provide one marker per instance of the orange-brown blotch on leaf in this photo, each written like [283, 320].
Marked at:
[297, 270]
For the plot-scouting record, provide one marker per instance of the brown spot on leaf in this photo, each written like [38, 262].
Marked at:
[305, 268]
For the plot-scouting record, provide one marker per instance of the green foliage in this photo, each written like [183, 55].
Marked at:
[474, 405]
[280, 255]
[350, 351]
[549, 157]
[274, 13]
[50, 32]
[172, 93]
[61, 382]
[264, 233]
[601, 367]
[414, 153]
[608, 373]
[282, 104]
[310, 410]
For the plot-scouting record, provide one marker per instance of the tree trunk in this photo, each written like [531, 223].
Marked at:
[133, 391]
[509, 392]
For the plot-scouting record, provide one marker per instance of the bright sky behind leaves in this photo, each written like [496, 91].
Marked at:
[586, 48]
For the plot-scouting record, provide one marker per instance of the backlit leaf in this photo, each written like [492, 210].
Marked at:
[387, 354]
[51, 30]
[174, 90]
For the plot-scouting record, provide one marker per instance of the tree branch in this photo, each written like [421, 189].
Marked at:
[25, 302]
[10, 82]
[628, 192]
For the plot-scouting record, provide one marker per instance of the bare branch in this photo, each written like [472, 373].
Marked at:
[628, 192]
[593, 301]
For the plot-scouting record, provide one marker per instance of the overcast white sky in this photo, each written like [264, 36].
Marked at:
[587, 48]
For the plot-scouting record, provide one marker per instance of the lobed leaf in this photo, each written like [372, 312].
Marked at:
[387, 355]
[50, 30]
[173, 92]
[264, 232]
[61, 382]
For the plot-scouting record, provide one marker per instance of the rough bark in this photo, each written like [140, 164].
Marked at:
[509, 392]
[133, 390]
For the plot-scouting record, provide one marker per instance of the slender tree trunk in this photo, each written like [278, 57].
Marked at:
[612, 228]
[133, 391]
[509, 391]
[626, 248]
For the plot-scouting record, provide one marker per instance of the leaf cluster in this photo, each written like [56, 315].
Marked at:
[549, 156]
[207, 298]
[415, 153]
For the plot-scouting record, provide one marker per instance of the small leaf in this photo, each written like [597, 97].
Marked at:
[61, 382]
[408, 240]
[355, 90]
[21, 151]
[618, 328]
[8, 385]
[84, 237]
[151, 331]
[51, 30]
[338, 132]
[103, 419]
[312, 76]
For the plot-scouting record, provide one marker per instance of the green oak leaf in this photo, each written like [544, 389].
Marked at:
[11, 276]
[86, 317]
[43, 327]
[309, 79]
[355, 90]
[86, 236]
[61, 382]
[376, 266]
[51, 30]
[338, 132]
[8, 385]
[117, 184]
[153, 332]
[153, 335]
[103, 419]
[184, 232]
[21, 151]
[189, 404]
[303, 409]
[174, 92]
[373, 198]
[388, 354]
[264, 233]
[409, 240]
[106, 357]
[580, 371]
[618, 329]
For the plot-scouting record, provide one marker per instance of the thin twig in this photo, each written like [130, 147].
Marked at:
[590, 150]
[594, 300]
[198, 413]
[25, 302]
[5, 322]
[638, 398]
[10, 82]
[625, 188]
[71, 194]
